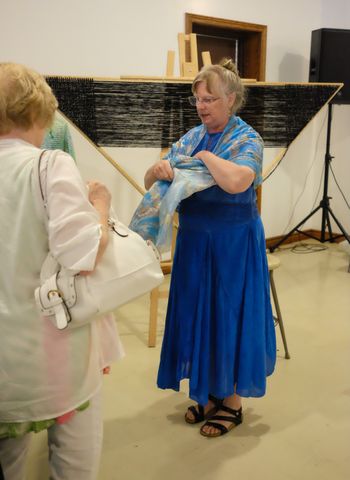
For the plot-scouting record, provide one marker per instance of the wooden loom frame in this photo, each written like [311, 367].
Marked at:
[156, 293]
[266, 171]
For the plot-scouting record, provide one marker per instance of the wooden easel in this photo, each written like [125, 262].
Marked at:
[188, 68]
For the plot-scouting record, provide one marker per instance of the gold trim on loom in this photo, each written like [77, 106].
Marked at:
[138, 78]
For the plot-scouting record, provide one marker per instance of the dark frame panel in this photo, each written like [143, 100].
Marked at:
[253, 37]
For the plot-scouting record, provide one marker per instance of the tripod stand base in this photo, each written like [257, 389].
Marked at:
[324, 203]
[326, 213]
[299, 236]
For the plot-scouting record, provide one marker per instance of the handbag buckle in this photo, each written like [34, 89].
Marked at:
[53, 293]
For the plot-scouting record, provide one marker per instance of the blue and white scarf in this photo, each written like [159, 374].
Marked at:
[239, 143]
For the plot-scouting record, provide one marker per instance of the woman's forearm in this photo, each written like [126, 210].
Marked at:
[149, 178]
[229, 176]
[103, 210]
[100, 198]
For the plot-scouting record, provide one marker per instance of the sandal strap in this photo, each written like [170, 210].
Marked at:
[235, 413]
[218, 426]
[226, 418]
[217, 401]
[198, 412]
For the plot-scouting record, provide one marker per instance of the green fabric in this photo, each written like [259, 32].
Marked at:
[14, 430]
[59, 138]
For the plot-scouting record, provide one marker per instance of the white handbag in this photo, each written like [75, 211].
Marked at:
[129, 268]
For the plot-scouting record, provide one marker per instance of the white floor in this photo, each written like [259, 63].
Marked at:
[299, 431]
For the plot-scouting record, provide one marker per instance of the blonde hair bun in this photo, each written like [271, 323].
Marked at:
[229, 64]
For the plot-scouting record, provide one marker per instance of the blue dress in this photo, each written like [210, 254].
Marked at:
[219, 330]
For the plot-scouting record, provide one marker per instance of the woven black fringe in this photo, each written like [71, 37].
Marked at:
[155, 114]
[76, 99]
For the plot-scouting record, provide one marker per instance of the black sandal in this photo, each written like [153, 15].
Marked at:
[198, 411]
[235, 417]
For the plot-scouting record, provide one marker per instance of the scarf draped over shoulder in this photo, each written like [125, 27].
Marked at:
[239, 143]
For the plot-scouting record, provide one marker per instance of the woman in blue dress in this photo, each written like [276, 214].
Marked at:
[219, 329]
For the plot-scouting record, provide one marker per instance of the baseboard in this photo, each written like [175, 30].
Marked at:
[299, 236]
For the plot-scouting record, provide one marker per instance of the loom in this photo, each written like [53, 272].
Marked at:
[147, 113]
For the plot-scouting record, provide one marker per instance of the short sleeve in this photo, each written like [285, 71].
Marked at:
[249, 152]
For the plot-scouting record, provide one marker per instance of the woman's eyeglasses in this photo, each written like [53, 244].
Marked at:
[206, 100]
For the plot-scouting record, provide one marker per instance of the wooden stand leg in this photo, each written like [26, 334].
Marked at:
[279, 315]
[153, 317]
[170, 63]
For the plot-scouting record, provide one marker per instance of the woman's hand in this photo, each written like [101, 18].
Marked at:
[163, 171]
[202, 155]
[99, 196]
[159, 171]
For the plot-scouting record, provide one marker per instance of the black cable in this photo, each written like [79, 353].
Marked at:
[306, 178]
[323, 167]
[319, 187]
[340, 190]
[304, 248]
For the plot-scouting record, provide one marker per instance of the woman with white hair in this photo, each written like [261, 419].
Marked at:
[49, 379]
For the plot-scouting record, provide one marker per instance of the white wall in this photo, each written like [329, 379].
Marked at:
[114, 37]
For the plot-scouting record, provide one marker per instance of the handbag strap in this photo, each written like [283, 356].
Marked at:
[53, 304]
[40, 192]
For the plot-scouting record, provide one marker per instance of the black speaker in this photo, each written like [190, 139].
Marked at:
[330, 59]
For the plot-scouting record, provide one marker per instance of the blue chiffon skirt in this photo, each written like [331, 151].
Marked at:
[219, 330]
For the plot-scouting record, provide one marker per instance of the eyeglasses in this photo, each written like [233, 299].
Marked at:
[206, 101]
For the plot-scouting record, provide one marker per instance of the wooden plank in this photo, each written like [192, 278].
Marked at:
[170, 64]
[206, 58]
[161, 79]
[184, 79]
[144, 78]
[194, 52]
[189, 69]
[274, 163]
[182, 52]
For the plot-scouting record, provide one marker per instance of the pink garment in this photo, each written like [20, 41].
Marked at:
[69, 415]
[66, 417]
